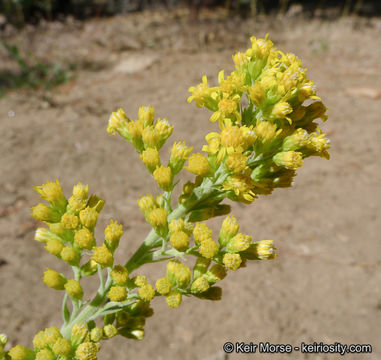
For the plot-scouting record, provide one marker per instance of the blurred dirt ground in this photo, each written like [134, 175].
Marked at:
[325, 283]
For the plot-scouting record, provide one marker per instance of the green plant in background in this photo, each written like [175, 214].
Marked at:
[265, 132]
[34, 76]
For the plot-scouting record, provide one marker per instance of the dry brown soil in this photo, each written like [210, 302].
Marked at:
[325, 283]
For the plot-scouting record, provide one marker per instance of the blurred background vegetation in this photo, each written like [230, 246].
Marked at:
[20, 12]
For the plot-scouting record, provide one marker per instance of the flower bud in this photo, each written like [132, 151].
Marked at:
[45, 354]
[74, 289]
[295, 141]
[43, 235]
[52, 334]
[54, 279]
[281, 109]
[140, 280]
[164, 129]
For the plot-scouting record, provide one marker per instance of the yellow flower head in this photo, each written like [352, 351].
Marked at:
[88, 217]
[117, 293]
[241, 185]
[265, 249]
[79, 333]
[257, 94]
[110, 331]
[70, 255]
[52, 192]
[96, 334]
[173, 299]
[208, 248]
[163, 286]
[39, 340]
[52, 334]
[84, 239]
[200, 267]
[146, 203]
[236, 162]
[240, 59]
[74, 289]
[103, 256]
[81, 191]
[231, 137]
[54, 246]
[146, 115]
[295, 141]
[164, 129]
[179, 240]
[281, 109]
[158, 218]
[151, 137]
[176, 225]
[229, 228]
[147, 292]
[62, 347]
[42, 235]
[289, 159]
[140, 280]
[239, 242]
[70, 221]
[201, 93]
[216, 273]
[117, 121]
[54, 279]
[113, 233]
[45, 354]
[200, 285]
[45, 213]
[319, 143]
[87, 351]
[201, 232]
[267, 131]
[119, 274]
[163, 177]
[20, 352]
[150, 158]
[179, 154]
[198, 164]
[232, 261]
[135, 130]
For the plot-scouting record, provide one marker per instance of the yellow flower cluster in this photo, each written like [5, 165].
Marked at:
[262, 144]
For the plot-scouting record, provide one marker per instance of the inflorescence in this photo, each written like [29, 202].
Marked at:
[266, 110]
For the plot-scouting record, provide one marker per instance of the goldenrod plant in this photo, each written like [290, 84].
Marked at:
[266, 130]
